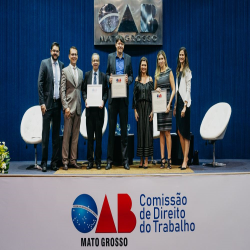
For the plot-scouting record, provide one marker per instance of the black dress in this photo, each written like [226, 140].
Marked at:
[182, 123]
[142, 102]
[164, 120]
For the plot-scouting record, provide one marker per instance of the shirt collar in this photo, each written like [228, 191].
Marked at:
[52, 61]
[72, 67]
[118, 56]
[97, 72]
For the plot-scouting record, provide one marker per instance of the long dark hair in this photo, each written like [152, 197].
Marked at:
[139, 73]
[186, 63]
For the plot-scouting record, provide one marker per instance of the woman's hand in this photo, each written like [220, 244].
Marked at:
[151, 116]
[158, 89]
[136, 116]
[174, 112]
[183, 111]
[168, 109]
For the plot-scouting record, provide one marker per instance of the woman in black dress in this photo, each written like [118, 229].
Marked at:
[164, 79]
[142, 105]
[183, 103]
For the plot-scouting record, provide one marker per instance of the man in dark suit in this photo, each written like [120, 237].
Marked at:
[118, 63]
[95, 115]
[71, 84]
[49, 99]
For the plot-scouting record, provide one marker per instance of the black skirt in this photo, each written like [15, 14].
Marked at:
[182, 123]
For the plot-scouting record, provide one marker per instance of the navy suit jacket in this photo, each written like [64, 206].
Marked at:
[111, 68]
[46, 83]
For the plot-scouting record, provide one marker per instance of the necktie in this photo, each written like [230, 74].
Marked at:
[75, 74]
[95, 82]
[56, 83]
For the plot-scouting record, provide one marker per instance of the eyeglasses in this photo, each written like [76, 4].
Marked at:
[74, 54]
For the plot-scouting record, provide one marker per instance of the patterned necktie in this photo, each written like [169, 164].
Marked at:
[95, 82]
[56, 83]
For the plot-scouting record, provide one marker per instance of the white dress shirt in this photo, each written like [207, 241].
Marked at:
[58, 74]
[74, 72]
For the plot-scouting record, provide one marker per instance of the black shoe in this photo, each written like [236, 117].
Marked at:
[183, 168]
[54, 167]
[140, 166]
[145, 167]
[126, 166]
[162, 163]
[44, 167]
[169, 164]
[65, 167]
[98, 166]
[90, 165]
[109, 166]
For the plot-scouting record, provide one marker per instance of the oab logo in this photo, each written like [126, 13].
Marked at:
[85, 215]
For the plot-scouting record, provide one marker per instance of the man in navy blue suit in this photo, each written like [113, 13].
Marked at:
[49, 98]
[118, 63]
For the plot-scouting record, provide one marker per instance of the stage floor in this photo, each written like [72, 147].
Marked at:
[232, 166]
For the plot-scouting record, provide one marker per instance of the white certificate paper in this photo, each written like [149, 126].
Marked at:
[159, 101]
[94, 95]
[118, 86]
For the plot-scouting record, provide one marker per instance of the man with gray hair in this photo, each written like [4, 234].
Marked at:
[95, 115]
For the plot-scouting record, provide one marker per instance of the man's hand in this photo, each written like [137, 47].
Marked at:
[110, 78]
[102, 105]
[67, 112]
[86, 104]
[43, 109]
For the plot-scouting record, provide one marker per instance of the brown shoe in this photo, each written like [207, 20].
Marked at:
[74, 166]
[65, 167]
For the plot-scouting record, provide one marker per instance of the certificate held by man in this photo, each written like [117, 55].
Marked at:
[159, 101]
[118, 86]
[94, 95]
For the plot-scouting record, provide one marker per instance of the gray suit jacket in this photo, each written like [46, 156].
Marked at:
[71, 90]
[46, 82]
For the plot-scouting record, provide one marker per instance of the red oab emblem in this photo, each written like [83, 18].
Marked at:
[126, 218]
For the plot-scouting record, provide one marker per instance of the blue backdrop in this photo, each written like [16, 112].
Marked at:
[215, 33]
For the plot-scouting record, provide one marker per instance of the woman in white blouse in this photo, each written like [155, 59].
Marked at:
[183, 103]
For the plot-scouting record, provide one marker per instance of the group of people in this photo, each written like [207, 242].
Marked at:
[60, 87]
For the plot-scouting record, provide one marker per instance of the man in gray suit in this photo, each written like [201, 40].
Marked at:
[49, 99]
[72, 80]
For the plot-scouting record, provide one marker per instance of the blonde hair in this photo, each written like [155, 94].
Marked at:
[158, 69]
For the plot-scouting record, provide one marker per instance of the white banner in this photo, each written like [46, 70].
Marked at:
[168, 212]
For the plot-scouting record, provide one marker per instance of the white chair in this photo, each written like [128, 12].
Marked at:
[156, 133]
[214, 126]
[31, 129]
[83, 128]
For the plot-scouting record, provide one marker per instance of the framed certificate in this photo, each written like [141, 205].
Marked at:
[118, 86]
[159, 101]
[94, 95]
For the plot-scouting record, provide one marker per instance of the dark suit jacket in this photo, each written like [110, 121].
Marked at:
[46, 82]
[111, 68]
[103, 82]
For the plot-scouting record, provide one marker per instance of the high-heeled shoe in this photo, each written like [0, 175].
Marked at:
[162, 163]
[169, 163]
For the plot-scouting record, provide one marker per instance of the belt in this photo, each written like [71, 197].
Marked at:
[56, 100]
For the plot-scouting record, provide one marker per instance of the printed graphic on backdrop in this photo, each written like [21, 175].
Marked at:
[140, 22]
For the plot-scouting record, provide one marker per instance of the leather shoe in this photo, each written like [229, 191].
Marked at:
[65, 167]
[90, 165]
[54, 167]
[108, 167]
[74, 166]
[126, 166]
[44, 167]
[98, 166]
